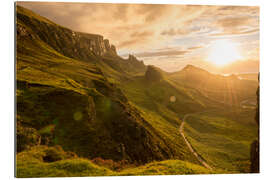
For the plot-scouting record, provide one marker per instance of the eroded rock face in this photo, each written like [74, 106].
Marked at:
[22, 32]
[113, 49]
[70, 43]
[93, 43]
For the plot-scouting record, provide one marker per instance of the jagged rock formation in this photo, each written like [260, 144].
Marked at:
[94, 43]
[133, 58]
[137, 64]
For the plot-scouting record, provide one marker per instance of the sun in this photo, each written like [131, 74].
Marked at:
[223, 52]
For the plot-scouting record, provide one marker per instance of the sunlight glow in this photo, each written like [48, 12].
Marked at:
[223, 52]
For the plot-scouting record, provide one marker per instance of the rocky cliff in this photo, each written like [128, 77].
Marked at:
[67, 42]
[94, 43]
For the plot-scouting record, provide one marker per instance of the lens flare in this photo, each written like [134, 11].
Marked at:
[172, 98]
[77, 116]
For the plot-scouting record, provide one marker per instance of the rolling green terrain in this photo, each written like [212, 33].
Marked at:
[228, 90]
[31, 164]
[222, 140]
[82, 110]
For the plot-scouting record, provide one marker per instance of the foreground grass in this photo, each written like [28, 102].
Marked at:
[30, 163]
[169, 167]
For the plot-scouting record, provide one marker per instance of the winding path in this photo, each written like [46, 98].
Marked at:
[189, 145]
[181, 130]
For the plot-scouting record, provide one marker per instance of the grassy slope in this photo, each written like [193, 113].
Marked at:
[222, 139]
[30, 164]
[153, 101]
[212, 128]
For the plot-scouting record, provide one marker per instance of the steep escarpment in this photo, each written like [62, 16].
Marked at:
[67, 42]
[65, 98]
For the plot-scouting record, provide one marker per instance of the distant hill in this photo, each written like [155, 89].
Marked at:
[240, 67]
[227, 89]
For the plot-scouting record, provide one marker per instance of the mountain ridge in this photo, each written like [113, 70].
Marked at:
[100, 121]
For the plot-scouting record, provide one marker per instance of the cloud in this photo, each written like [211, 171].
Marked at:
[174, 32]
[236, 32]
[161, 53]
[137, 37]
[194, 47]
[230, 22]
[141, 34]
[118, 20]
[154, 30]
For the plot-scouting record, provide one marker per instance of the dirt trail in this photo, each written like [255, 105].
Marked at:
[189, 145]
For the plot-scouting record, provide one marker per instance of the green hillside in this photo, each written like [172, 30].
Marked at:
[82, 110]
[222, 139]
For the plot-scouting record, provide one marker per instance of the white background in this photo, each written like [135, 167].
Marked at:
[7, 88]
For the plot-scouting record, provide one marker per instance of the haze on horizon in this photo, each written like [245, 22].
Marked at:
[168, 36]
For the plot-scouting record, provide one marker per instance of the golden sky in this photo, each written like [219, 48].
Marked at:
[168, 36]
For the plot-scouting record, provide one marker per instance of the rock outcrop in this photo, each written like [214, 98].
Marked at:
[153, 74]
[95, 43]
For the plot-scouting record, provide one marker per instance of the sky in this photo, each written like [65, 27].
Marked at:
[167, 36]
